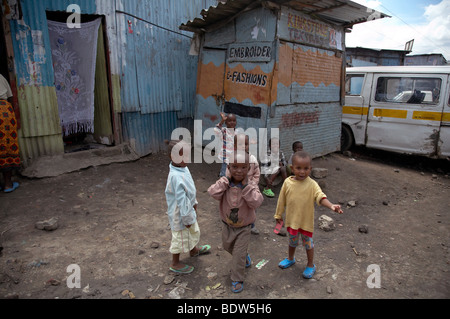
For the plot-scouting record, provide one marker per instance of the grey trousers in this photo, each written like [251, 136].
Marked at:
[235, 241]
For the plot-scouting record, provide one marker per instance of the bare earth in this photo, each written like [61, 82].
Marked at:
[112, 224]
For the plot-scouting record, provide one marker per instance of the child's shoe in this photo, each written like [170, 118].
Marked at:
[268, 193]
[286, 263]
[309, 272]
[237, 286]
[248, 261]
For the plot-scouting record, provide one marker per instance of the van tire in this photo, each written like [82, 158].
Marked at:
[347, 139]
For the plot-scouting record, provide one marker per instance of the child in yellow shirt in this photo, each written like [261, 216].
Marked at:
[297, 197]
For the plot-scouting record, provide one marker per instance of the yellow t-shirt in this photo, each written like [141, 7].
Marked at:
[297, 198]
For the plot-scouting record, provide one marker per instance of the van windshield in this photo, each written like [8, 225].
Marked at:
[408, 90]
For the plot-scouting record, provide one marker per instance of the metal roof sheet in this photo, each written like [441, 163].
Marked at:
[341, 12]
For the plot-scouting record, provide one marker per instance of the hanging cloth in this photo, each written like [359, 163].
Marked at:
[74, 53]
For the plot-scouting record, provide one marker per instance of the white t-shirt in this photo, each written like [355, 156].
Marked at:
[5, 89]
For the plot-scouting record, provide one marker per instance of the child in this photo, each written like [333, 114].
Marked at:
[238, 201]
[182, 210]
[227, 134]
[297, 198]
[296, 147]
[272, 170]
[253, 173]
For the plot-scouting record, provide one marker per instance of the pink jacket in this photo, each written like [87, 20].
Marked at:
[237, 205]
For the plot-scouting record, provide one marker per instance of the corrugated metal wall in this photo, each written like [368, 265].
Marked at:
[152, 75]
[40, 132]
[157, 73]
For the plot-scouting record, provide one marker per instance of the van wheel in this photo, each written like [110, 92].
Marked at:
[347, 139]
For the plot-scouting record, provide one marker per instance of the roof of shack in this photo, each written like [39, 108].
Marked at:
[341, 12]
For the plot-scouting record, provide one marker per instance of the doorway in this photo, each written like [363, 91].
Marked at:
[98, 133]
[3, 52]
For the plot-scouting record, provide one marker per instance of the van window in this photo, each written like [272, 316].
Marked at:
[353, 84]
[408, 90]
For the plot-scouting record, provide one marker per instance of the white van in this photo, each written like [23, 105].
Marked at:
[404, 109]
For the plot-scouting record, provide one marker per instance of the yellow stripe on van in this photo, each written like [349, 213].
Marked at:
[428, 116]
[399, 114]
[446, 117]
[356, 110]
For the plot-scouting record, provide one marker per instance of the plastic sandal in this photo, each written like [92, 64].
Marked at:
[248, 261]
[268, 193]
[9, 190]
[286, 263]
[309, 272]
[234, 286]
[203, 250]
[185, 270]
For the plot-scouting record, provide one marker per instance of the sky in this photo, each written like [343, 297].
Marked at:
[425, 21]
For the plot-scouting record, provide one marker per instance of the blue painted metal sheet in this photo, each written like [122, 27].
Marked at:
[148, 131]
[31, 41]
[156, 62]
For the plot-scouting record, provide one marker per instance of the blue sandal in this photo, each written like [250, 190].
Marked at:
[234, 286]
[9, 190]
[248, 261]
[286, 263]
[309, 272]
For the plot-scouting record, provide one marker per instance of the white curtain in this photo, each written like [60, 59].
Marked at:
[74, 53]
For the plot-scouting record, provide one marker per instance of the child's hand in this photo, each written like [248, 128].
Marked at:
[223, 116]
[337, 209]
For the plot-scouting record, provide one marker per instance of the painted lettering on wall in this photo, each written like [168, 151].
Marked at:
[300, 27]
[259, 52]
[247, 78]
[309, 26]
[296, 119]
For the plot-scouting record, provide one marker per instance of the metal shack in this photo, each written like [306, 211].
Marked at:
[276, 64]
[144, 78]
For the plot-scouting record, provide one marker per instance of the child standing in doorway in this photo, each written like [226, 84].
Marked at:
[227, 135]
[182, 209]
[297, 197]
[238, 202]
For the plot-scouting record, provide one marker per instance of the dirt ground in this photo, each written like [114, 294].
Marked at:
[112, 224]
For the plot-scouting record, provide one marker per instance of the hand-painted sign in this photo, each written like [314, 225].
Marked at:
[298, 27]
[250, 52]
[247, 78]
